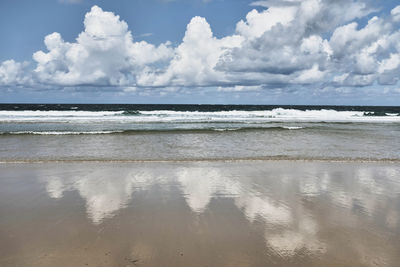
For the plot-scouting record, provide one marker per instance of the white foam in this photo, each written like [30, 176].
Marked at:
[275, 115]
[293, 127]
[57, 113]
[167, 116]
[63, 133]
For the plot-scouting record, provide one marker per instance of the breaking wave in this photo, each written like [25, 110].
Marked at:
[168, 116]
[133, 131]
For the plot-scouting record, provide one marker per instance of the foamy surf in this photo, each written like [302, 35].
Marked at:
[133, 131]
[168, 116]
[293, 127]
[59, 132]
[197, 132]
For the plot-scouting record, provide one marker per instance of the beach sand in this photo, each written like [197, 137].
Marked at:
[238, 213]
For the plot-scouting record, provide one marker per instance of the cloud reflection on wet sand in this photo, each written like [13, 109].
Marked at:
[304, 208]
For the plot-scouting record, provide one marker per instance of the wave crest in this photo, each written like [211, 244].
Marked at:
[168, 116]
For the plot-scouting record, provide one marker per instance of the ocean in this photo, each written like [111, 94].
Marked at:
[125, 132]
[184, 185]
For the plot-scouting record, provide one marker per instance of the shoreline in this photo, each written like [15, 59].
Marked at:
[222, 160]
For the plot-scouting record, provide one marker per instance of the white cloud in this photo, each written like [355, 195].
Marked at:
[288, 44]
[395, 12]
[312, 75]
[14, 73]
[257, 23]
[240, 88]
[103, 54]
[194, 59]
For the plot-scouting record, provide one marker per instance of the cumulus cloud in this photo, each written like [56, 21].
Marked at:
[103, 54]
[289, 49]
[396, 13]
[282, 44]
[195, 58]
[14, 73]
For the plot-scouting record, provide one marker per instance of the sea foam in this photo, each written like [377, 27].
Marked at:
[168, 116]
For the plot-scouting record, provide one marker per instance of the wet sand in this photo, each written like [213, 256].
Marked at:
[239, 213]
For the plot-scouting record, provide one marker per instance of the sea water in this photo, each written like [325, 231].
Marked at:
[30, 132]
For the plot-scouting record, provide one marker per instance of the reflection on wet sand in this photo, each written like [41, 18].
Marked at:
[103, 194]
[307, 213]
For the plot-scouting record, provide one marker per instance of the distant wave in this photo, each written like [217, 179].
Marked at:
[130, 113]
[133, 131]
[168, 116]
[256, 128]
[57, 113]
[293, 127]
[380, 114]
[221, 159]
[58, 132]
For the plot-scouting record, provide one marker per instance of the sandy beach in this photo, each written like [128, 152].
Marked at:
[238, 213]
[200, 133]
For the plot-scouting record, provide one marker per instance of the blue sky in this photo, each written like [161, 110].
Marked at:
[26, 22]
[196, 51]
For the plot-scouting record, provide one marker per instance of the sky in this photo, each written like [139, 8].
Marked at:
[335, 52]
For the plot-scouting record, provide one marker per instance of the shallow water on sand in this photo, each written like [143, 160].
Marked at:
[333, 141]
[239, 213]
